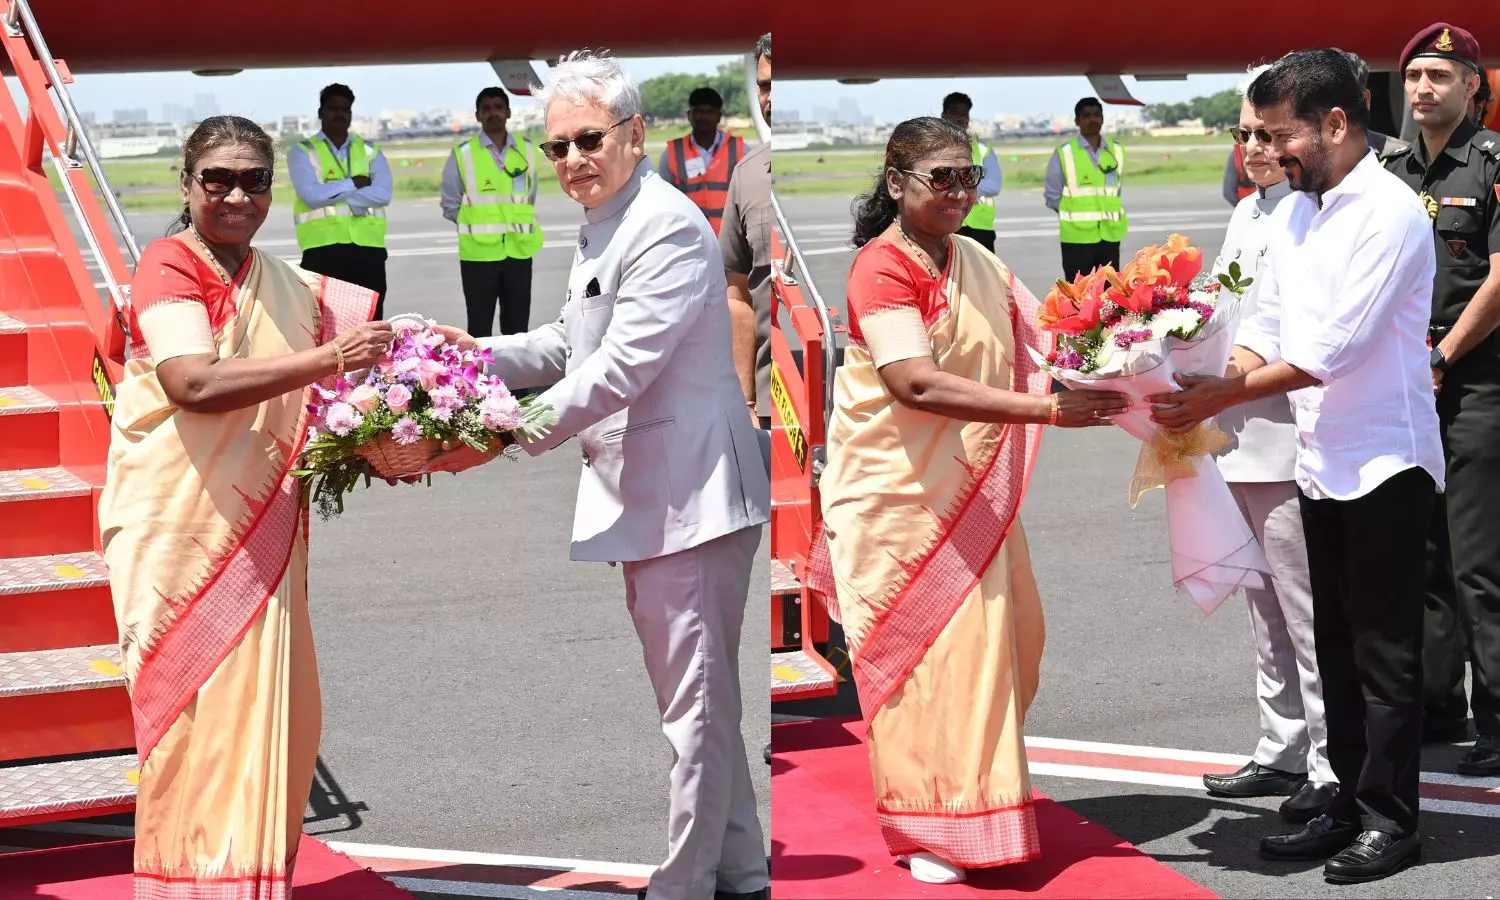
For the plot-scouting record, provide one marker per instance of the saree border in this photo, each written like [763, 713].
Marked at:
[974, 840]
[267, 886]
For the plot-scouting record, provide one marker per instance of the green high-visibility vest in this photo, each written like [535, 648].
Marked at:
[982, 216]
[1089, 210]
[337, 223]
[496, 219]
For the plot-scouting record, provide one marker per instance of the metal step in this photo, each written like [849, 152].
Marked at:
[68, 790]
[64, 571]
[24, 399]
[51, 602]
[783, 580]
[60, 671]
[40, 484]
[797, 674]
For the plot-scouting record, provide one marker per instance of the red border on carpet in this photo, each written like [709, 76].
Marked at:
[103, 872]
[825, 844]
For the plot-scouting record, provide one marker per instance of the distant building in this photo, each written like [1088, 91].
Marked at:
[131, 116]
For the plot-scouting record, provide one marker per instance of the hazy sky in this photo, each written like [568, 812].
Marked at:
[269, 93]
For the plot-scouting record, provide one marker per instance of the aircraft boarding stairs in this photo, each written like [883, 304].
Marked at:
[66, 738]
[803, 358]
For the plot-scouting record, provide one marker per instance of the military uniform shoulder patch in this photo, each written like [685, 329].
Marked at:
[1393, 149]
[1488, 144]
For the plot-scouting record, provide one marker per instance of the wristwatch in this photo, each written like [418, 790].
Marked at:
[1438, 360]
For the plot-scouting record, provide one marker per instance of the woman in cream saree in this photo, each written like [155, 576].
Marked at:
[937, 421]
[205, 534]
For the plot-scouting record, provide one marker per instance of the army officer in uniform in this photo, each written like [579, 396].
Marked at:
[1454, 167]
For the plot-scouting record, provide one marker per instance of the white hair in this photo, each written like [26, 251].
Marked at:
[1251, 74]
[585, 76]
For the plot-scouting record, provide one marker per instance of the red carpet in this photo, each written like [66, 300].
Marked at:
[102, 872]
[825, 844]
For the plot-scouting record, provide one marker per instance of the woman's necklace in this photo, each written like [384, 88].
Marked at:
[923, 256]
[212, 259]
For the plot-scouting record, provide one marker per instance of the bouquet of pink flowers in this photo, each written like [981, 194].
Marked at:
[427, 407]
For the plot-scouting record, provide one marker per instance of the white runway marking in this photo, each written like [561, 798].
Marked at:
[464, 857]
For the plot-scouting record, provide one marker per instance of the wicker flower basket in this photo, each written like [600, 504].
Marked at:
[389, 459]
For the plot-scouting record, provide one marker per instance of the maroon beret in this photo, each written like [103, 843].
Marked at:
[1443, 41]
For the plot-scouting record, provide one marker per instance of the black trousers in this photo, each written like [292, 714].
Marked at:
[364, 266]
[1463, 589]
[1081, 259]
[505, 283]
[985, 236]
[1364, 560]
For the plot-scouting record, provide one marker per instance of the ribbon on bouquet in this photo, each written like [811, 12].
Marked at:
[1168, 457]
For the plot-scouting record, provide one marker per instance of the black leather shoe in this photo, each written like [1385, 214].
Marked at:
[762, 894]
[640, 894]
[1372, 856]
[1483, 758]
[1254, 780]
[1319, 839]
[1310, 801]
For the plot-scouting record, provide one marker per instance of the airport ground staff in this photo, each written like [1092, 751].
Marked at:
[699, 163]
[489, 191]
[1083, 188]
[980, 225]
[343, 186]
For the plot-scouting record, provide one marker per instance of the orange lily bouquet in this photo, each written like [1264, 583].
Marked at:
[1134, 331]
[1110, 323]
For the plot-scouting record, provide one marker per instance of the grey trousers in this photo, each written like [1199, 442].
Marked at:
[688, 610]
[1294, 733]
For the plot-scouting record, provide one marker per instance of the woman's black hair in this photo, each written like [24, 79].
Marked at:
[211, 134]
[911, 142]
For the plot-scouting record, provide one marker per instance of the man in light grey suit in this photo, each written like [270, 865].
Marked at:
[641, 371]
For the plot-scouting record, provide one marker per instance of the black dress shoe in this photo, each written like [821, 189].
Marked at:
[762, 894]
[1310, 801]
[640, 894]
[1483, 758]
[1319, 839]
[1254, 780]
[1372, 856]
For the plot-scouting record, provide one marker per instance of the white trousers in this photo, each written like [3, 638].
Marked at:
[1294, 733]
[688, 609]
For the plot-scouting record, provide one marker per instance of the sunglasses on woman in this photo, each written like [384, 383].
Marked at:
[1243, 135]
[218, 182]
[943, 177]
[588, 142]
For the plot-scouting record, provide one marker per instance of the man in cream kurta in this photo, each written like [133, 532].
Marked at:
[672, 487]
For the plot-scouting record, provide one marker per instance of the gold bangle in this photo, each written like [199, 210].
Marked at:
[1052, 417]
[338, 358]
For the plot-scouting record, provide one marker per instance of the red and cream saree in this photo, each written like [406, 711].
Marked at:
[206, 539]
[927, 559]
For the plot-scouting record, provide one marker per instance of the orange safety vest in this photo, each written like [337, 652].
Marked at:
[710, 191]
[1245, 187]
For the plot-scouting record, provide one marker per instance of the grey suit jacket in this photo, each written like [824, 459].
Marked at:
[641, 370]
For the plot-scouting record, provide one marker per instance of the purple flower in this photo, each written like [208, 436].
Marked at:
[1205, 312]
[1069, 359]
[1123, 339]
[406, 430]
[445, 398]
